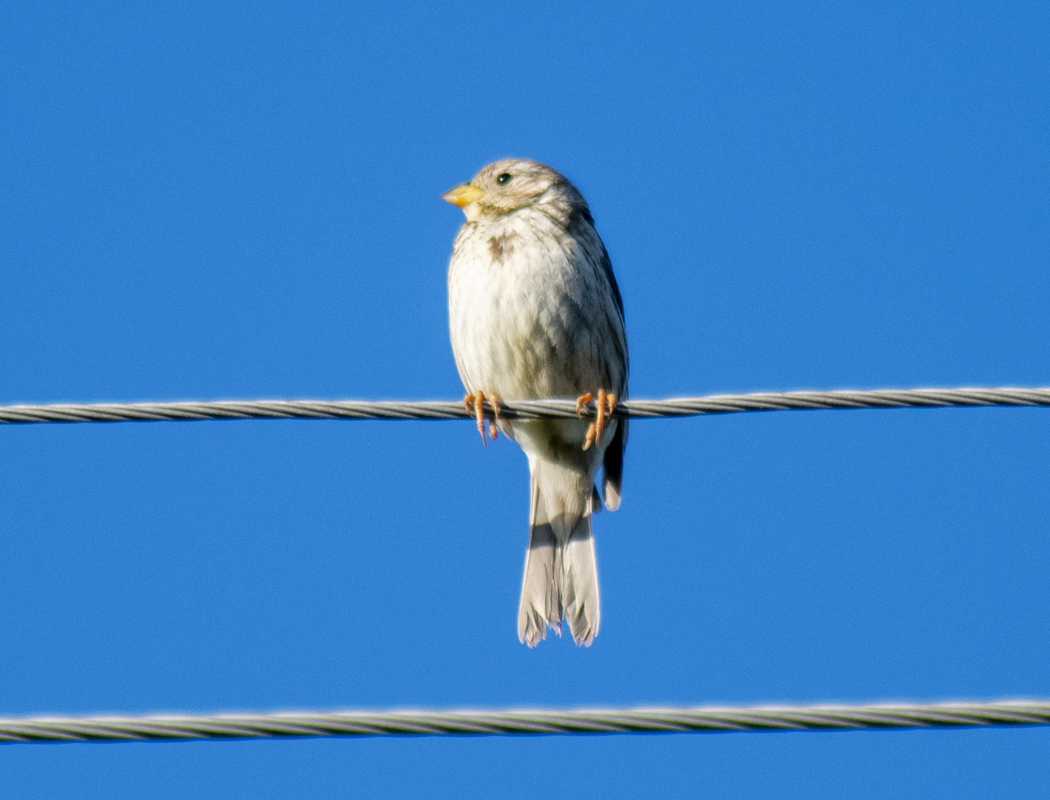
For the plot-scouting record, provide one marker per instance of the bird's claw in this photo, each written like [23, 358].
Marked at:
[605, 406]
[475, 404]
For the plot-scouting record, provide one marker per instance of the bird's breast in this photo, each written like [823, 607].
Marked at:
[526, 310]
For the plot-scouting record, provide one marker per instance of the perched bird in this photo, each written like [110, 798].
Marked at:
[535, 312]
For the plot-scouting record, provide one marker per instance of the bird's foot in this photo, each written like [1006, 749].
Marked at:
[475, 404]
[606, 405]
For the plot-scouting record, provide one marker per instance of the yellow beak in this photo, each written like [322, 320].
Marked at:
[463, 195]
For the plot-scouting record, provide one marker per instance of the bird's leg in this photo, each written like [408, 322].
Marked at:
[606, 405]
[474, 403]
[493, 429]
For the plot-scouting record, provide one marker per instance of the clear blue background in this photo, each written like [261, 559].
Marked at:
[242, 201]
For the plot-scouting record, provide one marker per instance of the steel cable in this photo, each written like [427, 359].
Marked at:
[520, 409]
[704, 719]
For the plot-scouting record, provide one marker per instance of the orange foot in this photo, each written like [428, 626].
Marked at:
[606, 406]
[475, 405]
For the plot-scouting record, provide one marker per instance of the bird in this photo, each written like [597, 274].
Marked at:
[535, 312]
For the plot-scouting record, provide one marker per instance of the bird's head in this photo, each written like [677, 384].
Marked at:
[512, 183]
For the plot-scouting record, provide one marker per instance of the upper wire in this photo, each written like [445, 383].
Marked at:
[521, 409]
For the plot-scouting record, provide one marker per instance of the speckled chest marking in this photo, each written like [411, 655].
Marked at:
[500, 244]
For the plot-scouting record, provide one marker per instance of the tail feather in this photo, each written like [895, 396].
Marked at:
[580, 586]
[540, 605]
[561, 571]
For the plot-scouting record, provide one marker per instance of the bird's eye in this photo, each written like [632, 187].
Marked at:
[503, 177]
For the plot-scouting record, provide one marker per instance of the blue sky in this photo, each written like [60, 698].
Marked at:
[242, 201]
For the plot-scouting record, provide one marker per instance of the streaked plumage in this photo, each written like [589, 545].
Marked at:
[535, 312]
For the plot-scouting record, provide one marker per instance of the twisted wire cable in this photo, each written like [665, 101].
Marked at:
[521, 409]
[709, 719]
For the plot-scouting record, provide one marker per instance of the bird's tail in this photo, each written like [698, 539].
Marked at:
[561, 573]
